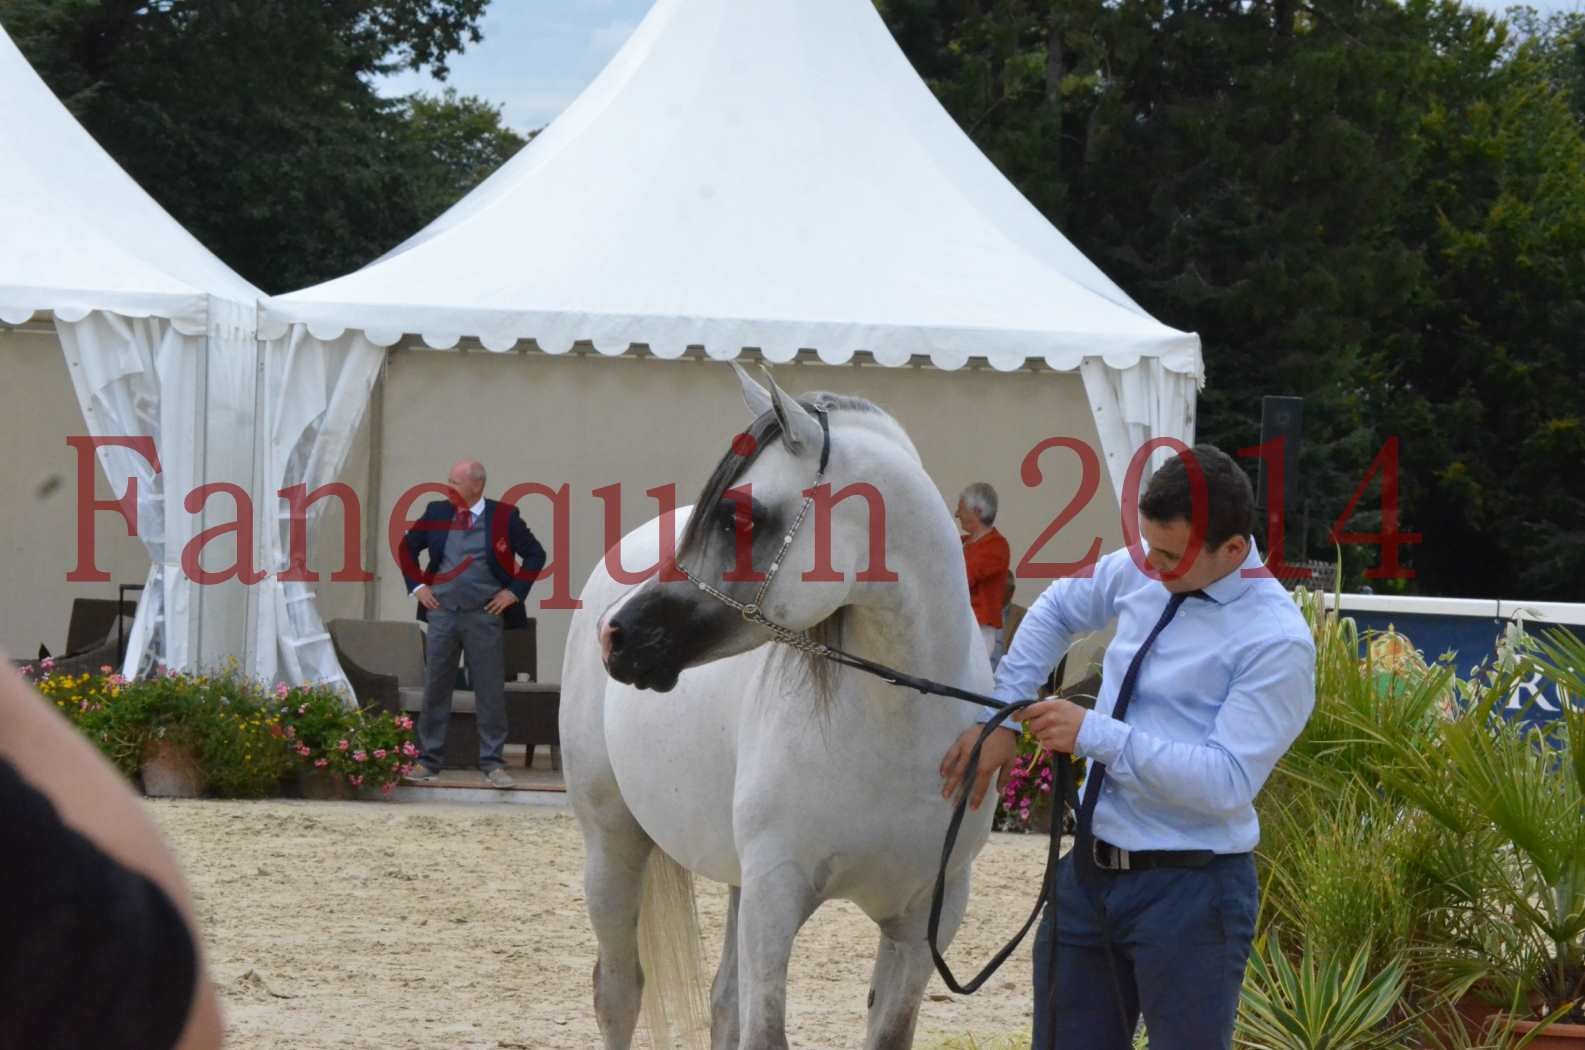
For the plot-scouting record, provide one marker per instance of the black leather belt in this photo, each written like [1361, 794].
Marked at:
[1108, 857]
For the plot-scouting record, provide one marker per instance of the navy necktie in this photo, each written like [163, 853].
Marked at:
[1092, 787]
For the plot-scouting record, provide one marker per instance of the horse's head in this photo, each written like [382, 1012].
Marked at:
[752, 536]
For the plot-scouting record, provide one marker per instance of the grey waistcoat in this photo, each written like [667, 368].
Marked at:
[475, 585]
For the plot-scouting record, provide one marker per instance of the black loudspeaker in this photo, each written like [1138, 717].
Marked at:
[1282, 417]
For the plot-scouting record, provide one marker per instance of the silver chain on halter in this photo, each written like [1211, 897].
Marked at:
[754, 611]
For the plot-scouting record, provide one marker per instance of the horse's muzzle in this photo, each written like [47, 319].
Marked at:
[636, 656]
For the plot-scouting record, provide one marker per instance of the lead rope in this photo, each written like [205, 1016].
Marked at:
[1063, 790]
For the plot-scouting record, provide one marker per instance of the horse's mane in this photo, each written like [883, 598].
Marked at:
[761, 433]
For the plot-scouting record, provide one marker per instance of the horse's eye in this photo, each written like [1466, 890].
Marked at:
[733, 515]
[733, 523]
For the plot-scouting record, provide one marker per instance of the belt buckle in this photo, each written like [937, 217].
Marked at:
[1115, 859]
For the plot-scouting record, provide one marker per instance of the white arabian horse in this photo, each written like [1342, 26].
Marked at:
[790, 780]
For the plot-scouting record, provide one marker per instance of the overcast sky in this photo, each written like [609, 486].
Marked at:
[536, 56]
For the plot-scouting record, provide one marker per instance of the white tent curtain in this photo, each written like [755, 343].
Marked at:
[142, 377]
[229, 456]
[161, 342]
[1136, 404]
[312, 395]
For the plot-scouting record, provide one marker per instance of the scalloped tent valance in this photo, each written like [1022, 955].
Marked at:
[895, 347]
[750, 174]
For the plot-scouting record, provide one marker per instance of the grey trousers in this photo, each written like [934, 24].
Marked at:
[451, 633]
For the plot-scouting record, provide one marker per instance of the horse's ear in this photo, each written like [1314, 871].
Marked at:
[756, 397]
[799, 430]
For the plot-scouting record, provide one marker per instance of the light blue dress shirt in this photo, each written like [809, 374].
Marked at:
[1222, 693]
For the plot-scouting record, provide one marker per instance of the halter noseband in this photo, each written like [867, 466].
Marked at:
[753, 611]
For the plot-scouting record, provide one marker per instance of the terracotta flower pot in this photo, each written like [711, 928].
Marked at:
[325, 786]
[1473, 1013]
[171, 771]
[1555, 1037]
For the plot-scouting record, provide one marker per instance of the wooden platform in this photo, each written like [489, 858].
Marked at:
[538, 785]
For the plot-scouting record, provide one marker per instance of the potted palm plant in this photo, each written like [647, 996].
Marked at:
[1512, 798]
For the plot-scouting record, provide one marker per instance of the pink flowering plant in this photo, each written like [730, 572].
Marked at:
[1025, 797]
[1025, 802]
[369, 749]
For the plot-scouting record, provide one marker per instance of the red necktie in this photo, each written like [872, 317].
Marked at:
[466, 519]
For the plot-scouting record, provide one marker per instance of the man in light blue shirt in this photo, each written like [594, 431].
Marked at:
[1208, 680]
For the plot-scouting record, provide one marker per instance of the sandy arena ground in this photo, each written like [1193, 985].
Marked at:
[426, 927]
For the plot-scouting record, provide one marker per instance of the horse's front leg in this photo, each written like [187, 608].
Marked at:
[903, 966]
[774, 904]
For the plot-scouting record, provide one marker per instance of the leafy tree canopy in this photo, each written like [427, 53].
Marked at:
[1373, 205]
[256, 122]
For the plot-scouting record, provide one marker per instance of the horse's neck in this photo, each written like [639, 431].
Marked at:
[918, 641]
[922, 624]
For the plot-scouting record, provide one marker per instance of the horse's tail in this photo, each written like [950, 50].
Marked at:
[670, 950]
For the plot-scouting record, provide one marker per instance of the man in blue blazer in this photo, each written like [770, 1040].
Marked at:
[471, 590]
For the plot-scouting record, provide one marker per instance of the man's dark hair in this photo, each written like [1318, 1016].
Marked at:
[1229, 500]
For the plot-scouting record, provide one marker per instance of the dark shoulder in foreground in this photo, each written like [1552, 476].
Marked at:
[96, 955]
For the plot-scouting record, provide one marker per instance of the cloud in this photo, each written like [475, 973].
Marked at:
[606, 39]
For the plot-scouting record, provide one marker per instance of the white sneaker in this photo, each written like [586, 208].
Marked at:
[499, 778]
[421, 774]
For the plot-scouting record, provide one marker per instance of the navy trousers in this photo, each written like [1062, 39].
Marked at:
[1180, 940]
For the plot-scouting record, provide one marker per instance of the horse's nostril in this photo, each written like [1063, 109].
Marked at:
[613, 639]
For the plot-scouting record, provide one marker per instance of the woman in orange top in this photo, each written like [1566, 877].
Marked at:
[986, 557]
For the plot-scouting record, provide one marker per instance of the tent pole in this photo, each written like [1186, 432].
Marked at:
[371, 517]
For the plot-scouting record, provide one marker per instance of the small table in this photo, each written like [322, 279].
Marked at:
[532, 718]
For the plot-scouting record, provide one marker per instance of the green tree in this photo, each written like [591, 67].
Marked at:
[457, 141]
[1556, 43]
[1301, 182]
[257, 125]
[1487, 396]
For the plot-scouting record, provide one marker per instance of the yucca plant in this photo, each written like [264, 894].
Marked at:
[1320, 1003]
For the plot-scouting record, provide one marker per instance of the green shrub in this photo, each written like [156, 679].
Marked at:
[243, 736]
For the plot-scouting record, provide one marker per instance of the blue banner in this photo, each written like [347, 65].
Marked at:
[1469, 642]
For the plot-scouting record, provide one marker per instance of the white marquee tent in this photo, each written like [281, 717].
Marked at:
[756, 173]
[744, 174]
[159, 340]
